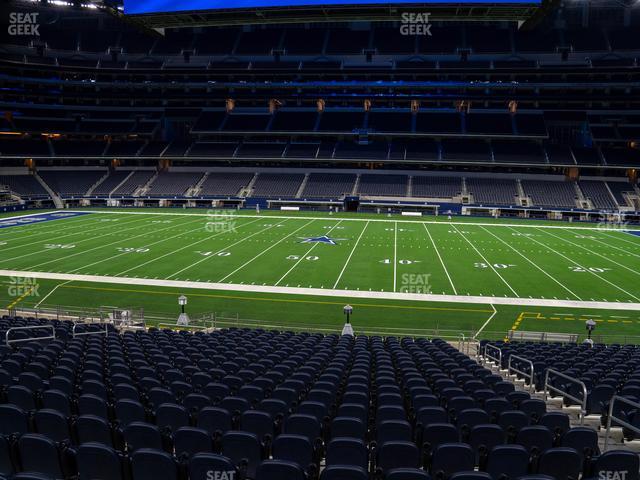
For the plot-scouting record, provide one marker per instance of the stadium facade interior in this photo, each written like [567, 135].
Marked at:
[417, 122]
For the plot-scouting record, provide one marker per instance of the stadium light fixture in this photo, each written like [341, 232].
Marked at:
[348, 328]
[591, 325]
[183, 319]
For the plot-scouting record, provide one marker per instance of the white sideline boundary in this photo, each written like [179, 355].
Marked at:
[351, 219]
[324, 292]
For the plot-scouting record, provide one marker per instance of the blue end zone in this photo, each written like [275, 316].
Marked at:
[633, 232]
[45, 217]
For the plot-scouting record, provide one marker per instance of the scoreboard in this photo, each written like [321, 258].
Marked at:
[138, 7]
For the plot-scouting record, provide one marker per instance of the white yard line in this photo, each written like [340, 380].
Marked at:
[41, 228]
[395, 254]
[189, 245]
[49, 294]
[350, 255]
[455, 292]
[573, 262]
[533, 263]
[355, 219]
[484, 325]
[635, 272]
[613, 246]
[305, 255]
[264, 251]
[486, 261]
[56, 239]
[622, 237]
[226, 247]
[120, 240]
[419, 297]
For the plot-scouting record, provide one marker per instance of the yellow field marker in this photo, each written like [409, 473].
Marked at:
[20, 298]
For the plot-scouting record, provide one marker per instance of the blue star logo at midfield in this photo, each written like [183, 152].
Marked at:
[322, 239]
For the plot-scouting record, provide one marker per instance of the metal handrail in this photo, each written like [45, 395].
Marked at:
[174, 326]
[511, 368]
[498, 359]
[582, 401]
[32, 327]
[621, 422]
[96, 332]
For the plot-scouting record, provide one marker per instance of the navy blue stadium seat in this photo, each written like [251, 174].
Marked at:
[624, 463]
[214, 419]
[343, 472]
[348, 427]
[348, 451]
[244, 449]
[13, 420]
[128, 411]
[257, 422]
[279, 469]
[471, 476]
[52, 423]
[142, 435]
[536, 439]
[190, 440]
[7, 465]
[507, 462]
[96, 460]
[204, 466]
[397, 454]
[150, 464]
[294, 448]
[90, 428]
[582, 439]
[561, 463]
[40, 454]
[305, 425]
[450, 458]
[406, 474]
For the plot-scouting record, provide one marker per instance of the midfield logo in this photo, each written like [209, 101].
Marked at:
[322, 239]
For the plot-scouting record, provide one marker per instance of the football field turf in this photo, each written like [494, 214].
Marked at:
[293, 268]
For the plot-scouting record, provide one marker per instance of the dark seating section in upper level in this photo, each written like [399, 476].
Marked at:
[75, 182]
[551, 193]
[376, 121]
[436, 187]
[77, 33]
[24, 185]
[599, 194]
[327, 185]
[224, 183]
[134, 182]
[173, 183]
[277, 184]
[493, 191]
[383, 185]
[110, 183]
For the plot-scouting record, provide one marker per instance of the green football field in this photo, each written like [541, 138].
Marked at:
[401, 274]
